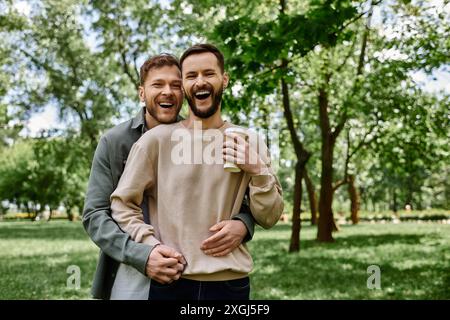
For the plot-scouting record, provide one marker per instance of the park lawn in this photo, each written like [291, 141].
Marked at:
[414, 259]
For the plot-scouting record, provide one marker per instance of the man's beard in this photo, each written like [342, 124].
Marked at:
[204, 114]
[151, 107]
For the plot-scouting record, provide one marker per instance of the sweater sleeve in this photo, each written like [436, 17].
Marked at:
[137, 177]
[266, 195]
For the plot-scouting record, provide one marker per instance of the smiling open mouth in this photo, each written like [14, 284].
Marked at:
[202, 94]
[166, 105]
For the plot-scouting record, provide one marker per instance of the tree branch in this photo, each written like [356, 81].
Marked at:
[364, 42]
[124, 64]
[280, 66]
[363, 141]
[300, 151]
[337, 130]
[136, 70]
[36, 61]
[359, 16]
[346, 57]
[359, 69]
[339, 184]
[347, 161]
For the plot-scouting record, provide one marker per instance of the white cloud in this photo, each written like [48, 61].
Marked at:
[438, 81]
[22, 7]
[46, 120]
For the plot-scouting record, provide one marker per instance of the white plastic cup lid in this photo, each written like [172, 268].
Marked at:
[235, 130]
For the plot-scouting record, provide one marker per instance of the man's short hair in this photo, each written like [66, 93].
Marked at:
[155, 62]
[201, 48]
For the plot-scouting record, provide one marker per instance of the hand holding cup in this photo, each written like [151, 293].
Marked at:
[239, 155]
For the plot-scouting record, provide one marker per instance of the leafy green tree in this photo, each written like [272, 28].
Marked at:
[290, 32]
[10, 117]
[347, 73]
[329, 80]
[413, 147]
[80, 58]
[44, 173]
[15, 171]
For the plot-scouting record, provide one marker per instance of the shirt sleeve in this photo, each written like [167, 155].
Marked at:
[97, 221]
[245, 215]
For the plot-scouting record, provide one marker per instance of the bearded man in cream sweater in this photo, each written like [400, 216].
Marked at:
[179, 168]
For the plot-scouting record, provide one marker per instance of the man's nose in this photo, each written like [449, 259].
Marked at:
[200, 81]
[167, 90]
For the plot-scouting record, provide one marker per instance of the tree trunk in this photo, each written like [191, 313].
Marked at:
[302, 159]
[326, 221]
[410, 191]
[363, 198]
[35, 212]
[335, 226]
[312, 197]
[394, 200]
[296, 219]
[354, 199]
[27, 208]
[69, 214]
[419, 200]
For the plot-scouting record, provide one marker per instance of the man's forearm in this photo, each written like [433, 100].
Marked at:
[107, 235]
[247, 219]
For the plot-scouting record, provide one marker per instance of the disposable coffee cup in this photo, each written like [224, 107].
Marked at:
[229, 166]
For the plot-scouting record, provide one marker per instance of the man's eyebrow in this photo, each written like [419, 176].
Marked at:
[164, 80]
[195, 72]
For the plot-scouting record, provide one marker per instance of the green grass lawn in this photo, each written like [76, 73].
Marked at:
[414, 260]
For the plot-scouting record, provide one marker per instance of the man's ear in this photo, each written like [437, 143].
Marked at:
[226, 80]
[141, 94]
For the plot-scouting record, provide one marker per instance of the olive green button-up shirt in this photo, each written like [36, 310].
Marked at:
[115, 245]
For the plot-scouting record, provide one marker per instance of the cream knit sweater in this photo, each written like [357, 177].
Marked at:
[187, 195]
